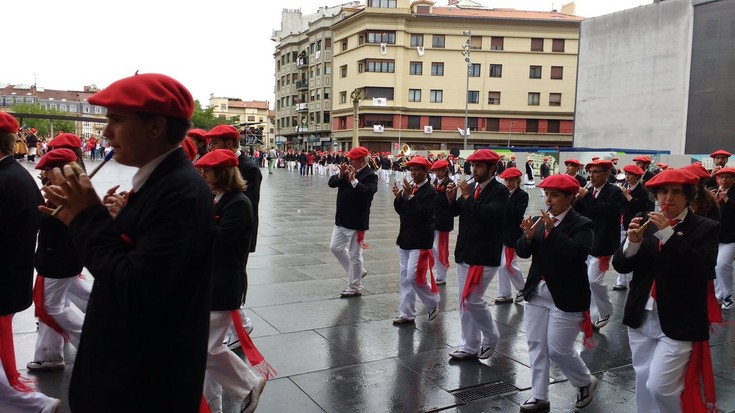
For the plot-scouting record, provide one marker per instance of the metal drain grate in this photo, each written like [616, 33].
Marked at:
[485, 391]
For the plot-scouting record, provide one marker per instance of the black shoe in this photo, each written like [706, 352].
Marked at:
[586, 394]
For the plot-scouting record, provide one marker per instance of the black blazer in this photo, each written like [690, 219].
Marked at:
[560, 259]
[353, 204]
[417, 219]
[251, 174]
[681, 269]
[727, 218]
[529, 171]
[55, 254]
[233, 216]
[19, 201]
[640, 202]
[152, 269]
[480, 238]
[582, 181]
[545, 170]
[517, 205]
[443, 218]
[604, 211]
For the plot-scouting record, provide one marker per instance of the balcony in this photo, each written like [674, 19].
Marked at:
[302, 84]
[302, 107]
[302, 62]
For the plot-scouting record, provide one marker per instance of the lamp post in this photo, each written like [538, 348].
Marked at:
[357, 95]
[466, 54]
[509, 129]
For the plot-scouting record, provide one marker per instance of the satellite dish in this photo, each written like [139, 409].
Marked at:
[454, 152]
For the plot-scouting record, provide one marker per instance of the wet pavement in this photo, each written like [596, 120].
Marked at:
[344, 355]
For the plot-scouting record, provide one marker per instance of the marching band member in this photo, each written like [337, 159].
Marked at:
[509, 270]
[528, 179]
[725, 194]
[573, 167]
[719, 160]
[545, 169]
[200, 139]
[667, 307]
[356, 185]
[705, 204]
[643, 162]
[481, 209]
[557, 292]
[414, 204]
[443, 221]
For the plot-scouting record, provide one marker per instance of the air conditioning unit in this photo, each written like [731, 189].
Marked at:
[428, 129]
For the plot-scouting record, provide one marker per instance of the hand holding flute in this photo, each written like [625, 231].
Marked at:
[657, 218]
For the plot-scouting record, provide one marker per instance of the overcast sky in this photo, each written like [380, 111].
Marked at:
[213, 46]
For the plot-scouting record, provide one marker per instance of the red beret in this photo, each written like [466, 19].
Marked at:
[419, 161]
[33, 130]
[594, 158]
[441, 163]
[147, 93]
[483, 155]
[198, 134]
[720, 152]
[726, 170]
[65, 140]
[697, 169]
[57, 157]
[223, 132]
[599, 162]
[511, 173]
[8, 123]
[512, 157]
[642, 158]
[358, 152]
[662, 165]
[573, 162]
[614, 159]
[190, 148]
[217, 158]
[672, 177]
[561, 182]
[633, 170]
[546, 159]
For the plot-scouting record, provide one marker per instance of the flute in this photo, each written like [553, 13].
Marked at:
[94, 172]
[539, 218]
[645, 224]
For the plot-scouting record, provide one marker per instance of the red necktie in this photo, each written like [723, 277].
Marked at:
[477, 191]
[415, 189]
[128, 196]
[672, 222]
[594, 193]
[554, 220]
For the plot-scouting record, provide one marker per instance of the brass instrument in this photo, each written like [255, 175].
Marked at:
[405, 152]
[373, 165]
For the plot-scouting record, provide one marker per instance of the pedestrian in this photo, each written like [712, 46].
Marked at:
[545, 169]
[272, 158]
[356, 185]
[414, 203]
[92, 147]
[481, 209]
[557, 292]
[151, 264]
[669, 308]
[19, 200]
[725, 194]
[509, 271]
[443, 221]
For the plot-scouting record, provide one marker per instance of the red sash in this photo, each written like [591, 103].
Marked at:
[7, 356]
[426, 261]
[604, 263]
[361, 239]
[41, 313]
[251, 352]
[443, 247]
[509, 254]
[474, 281]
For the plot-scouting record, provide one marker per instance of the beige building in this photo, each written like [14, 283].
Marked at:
[253, 116]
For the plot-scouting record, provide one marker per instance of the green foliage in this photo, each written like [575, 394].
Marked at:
[43, 126]
[204, 118]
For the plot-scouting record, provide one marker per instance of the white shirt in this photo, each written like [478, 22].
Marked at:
[145, 171]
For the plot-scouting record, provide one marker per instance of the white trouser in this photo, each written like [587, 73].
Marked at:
[659, 363]
[14, 401]
[79, 292]
[348, 251]
[408, 261]
[478, 327]
[224, 368]
[623, 279]
[723, 282]
[247, 324]
[49, 343]
[439, 268]
[507, 276]
[528, 183]
[551, 333]
[601, 305]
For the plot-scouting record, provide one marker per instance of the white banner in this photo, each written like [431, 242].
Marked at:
[380, 102]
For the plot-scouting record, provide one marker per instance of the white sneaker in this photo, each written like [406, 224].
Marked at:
[586, 394]
[51, 406]
[250, 403]
[46, 365]
[727, 303]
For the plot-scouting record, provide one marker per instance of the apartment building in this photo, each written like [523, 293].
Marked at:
[252, 116]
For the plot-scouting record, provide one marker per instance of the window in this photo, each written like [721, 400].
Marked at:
[381, 37]
[360, 40]
[327, 43]
[85, 109]
[223, 106]
[416, 68]
[554, 99]
[437, 68]
[473, 96]
[251, 118]
[369, 120]
[318, 45]
[343, 122]
[534, 98]
[496, 70]
[326, 118]
[535, 72]
[496, 43]
[414, 95]
[557, 45]
[436, 96]
[414, 122]
[97, 110]
[417, 40]
[475, 42]
[379, 66]
[493, 124]
[472, 124]
[379, 92]
[72, 108]
[493, 98]
[327, 70]
[342, 97]
[557, 72]
[383, 4]
[537, 45]
[343, 70]
[437, 41]
[532, 125]
[344, 46]
[474, 70]
[62, 108]
[553, 126]
[435, 122]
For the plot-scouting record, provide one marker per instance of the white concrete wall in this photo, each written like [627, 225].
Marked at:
[632, 83]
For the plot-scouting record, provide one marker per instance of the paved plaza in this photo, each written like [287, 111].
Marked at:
[344, 355]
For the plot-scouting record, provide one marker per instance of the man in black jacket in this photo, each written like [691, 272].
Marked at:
[481, 208]
[644, 162]
[545, 169]
[414, 204]
[573, 167]
[443, 220]
[151, 264]
[726, 250]
[509, 271]
[356, 184]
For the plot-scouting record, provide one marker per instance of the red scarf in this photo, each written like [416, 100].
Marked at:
[361, 239]
[7, 356]
[426, 261]
[251, 352]
[473, 282]
[443, 247]
[509, 254]
[41, 313]
[586, 326]
[604, 263]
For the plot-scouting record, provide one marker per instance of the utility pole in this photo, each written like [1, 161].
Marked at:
[357, 95]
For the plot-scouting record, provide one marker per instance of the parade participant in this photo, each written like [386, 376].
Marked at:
[557, 292]
[638, 200]
[58, 266]
[573, 167]
[667, 311]
[512, 162]
[309, 163]
[20, 149]
[356, 185]
[152, 259]
[414, 204]
[200, 139]
[719, 161]
[302, 162]
[603, 205]
[501, 165]
[725, 194]
[385, 164]
[528, 181]
[643, 162]
[234, 221]
[545, 169]
[92, 147]
[481, 208]
[68, 141]
[509, 271]
[443, 221]
[32, 142]
[705, 204]
[614, 170]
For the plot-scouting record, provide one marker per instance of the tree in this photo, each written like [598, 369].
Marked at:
[204, 118]
[42, 126]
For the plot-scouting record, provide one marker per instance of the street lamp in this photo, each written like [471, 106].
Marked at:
[357, 95]
[466, 54]
[509, 129]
